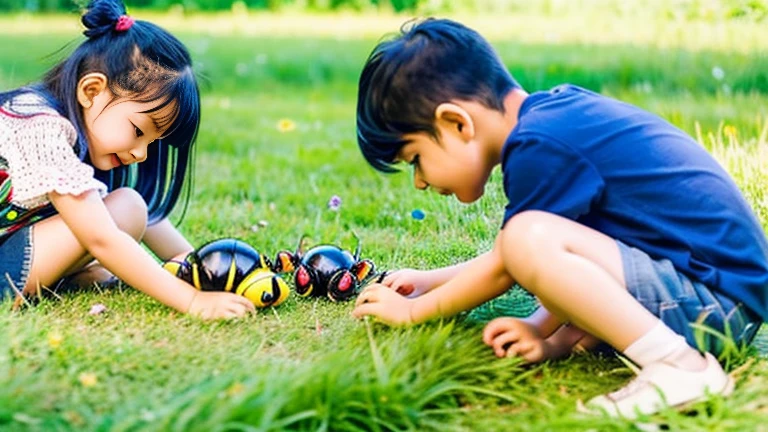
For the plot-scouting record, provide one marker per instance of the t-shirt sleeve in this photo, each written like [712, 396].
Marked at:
[47, 162]
[543, 174]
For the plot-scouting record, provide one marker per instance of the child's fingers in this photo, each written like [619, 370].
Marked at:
[369, 295]
[405, 289]
[494, 328]
[366, 309]
[505, 342]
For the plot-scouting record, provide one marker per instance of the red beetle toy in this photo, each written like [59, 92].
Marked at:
[326, 270]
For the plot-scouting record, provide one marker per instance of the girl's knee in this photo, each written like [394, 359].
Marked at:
[128, 210]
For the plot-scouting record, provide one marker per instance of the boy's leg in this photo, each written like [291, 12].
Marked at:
[58, 253]
[577, 273]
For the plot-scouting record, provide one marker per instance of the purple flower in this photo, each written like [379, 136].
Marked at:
[334, 203]
[97, 309]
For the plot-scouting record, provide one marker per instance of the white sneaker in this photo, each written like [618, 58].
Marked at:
[661, 385]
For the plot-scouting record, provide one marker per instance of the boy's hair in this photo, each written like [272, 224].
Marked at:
[405, 78]
[143, 63]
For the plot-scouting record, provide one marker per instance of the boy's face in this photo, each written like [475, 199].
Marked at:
[451, 165]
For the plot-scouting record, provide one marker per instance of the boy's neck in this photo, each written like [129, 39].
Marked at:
[499, 130]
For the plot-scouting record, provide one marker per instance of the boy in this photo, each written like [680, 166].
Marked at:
[625, 229]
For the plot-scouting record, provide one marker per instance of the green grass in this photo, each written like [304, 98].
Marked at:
[307, 365]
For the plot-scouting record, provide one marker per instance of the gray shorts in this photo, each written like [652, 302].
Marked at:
[15, 261]
[680, 302]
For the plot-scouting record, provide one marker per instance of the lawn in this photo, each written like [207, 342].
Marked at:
[276, 143]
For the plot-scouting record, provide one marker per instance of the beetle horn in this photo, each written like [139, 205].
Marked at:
[299, 251]
[357, 248]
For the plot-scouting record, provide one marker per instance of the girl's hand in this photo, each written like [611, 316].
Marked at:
[384, 304]
[410, 282]
[510, 337]
[218, 305]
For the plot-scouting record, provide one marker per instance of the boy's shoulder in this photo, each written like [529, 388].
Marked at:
[570, 113]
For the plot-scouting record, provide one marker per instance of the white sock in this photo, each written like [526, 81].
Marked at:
[660, 342]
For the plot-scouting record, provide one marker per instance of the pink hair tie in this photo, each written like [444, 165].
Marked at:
[123, 23]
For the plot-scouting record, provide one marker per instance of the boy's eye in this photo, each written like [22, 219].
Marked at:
[138, 131]
[414, 161]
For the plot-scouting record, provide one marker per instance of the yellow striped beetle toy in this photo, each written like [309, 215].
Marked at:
[234, 266]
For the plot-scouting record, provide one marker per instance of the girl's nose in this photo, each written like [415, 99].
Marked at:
[139, 153]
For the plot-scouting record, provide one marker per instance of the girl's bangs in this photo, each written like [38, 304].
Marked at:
[181, 123]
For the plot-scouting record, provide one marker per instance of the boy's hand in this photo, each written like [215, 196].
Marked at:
[510, 337]
[409, 282]
[218, 305]
[381, 302]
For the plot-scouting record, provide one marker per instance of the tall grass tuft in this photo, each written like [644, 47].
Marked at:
[409, 379]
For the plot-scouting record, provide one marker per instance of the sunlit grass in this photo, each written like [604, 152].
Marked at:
[276, 143]
[591, 28]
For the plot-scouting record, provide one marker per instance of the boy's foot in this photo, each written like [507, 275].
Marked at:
[660, 385]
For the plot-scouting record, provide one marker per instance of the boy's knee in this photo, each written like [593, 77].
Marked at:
[128, 210]
[526, 241]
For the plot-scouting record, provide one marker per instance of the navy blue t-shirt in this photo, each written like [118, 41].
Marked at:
[636, 178]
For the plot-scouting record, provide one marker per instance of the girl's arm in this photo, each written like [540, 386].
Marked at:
[89, 220]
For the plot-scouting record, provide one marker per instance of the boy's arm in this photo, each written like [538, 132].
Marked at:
[476, 282]
[414, 283]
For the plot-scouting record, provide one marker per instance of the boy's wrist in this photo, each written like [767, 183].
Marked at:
[422, 308]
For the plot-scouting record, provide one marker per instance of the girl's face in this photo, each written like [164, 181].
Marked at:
[119, 131]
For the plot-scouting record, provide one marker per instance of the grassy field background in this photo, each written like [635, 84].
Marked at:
[276, 143]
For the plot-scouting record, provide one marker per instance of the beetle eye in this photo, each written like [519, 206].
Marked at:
[345, 282]
[302, 277]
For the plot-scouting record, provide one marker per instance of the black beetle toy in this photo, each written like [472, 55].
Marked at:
[326, 270]
[234, 266]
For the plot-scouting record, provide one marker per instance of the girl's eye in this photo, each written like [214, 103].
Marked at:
[414, 161]
[138, 131]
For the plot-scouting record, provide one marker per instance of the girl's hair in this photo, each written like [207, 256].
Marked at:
[143, 63]
[406, 77]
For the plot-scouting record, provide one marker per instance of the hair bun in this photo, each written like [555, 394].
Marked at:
[101, 16]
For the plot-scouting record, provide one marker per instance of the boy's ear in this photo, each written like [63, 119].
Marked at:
[456, 119]
[89, 86]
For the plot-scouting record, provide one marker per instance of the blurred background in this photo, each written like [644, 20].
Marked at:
[689, 9]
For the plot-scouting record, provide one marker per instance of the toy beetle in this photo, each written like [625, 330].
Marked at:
[233, 266]
[326, 270]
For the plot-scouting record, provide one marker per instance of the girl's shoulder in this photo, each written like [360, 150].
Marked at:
[32, 114]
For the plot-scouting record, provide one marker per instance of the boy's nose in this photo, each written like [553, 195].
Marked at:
[419, 182]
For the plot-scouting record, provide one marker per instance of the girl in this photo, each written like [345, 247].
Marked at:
[126, 95]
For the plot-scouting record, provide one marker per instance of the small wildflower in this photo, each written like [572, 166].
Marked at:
[54, 340]
[97, 309]
[235, 389]
[730, 131]
[263, 223]
[286, 125]
[88, 379]
[334, 203]
[718, 73]
[418, 214]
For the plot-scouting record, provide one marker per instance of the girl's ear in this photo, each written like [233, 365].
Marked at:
[456, 119]
[90, 86]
